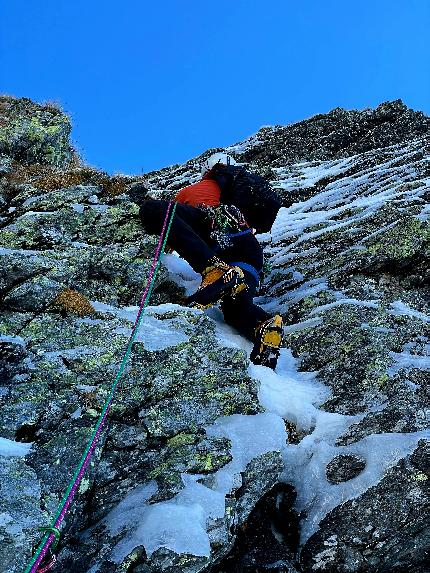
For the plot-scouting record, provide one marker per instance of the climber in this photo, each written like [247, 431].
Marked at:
[214, 230]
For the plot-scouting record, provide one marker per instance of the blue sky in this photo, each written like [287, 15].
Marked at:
[150, 84]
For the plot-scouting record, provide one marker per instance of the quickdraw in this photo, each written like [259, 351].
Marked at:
[49, 565]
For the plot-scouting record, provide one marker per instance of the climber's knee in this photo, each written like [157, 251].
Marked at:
[152, 213]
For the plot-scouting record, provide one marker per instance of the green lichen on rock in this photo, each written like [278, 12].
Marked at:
[33, 133]
[401, 242]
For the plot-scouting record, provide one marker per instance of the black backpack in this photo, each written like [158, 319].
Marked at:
[250, 193]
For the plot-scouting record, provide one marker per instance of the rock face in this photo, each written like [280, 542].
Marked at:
[31, 133]
[204, 450]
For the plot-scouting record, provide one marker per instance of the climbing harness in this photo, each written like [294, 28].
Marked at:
[52, 533]
[246, 267]
[226, 222]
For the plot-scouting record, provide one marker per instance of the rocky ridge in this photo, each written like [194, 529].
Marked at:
[341, 465]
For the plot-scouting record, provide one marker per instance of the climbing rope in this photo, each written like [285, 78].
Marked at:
[52, 532]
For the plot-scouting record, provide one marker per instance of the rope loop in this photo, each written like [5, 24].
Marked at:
[48, 566]
[55, 531]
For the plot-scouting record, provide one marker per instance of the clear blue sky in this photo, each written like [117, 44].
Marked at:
[149, 84]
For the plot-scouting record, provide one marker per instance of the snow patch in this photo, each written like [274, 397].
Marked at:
[154, 333]
[402, 309]
[9, 448]
[181, 273]
[406, 361]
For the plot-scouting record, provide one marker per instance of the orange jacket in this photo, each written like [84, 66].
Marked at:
[206, 192]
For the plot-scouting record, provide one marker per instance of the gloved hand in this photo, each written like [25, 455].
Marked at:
[137, 193]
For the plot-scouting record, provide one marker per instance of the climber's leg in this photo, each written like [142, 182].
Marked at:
[265, 331]
[190, 227]
[241, 312]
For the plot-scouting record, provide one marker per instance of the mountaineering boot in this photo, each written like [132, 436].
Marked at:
[268, 340]
[218, 280]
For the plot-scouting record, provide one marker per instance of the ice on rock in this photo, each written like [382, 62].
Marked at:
[291, 394]
[353, 301]
[304, 324]
[280, 257]
[405, 360]
[286, 393]
[294, 295]
[303, 175]
[180, 523]
[94, 569]
[226, 335]
[251, 436]
[154, 333]
[424, 214]
[295, 396]
[182, 273]
[352, 198]
[212, 502]
[12, 339]
[305, 465]
[9, 448]
[128, 511]
[402, 309]
[180, 528]
[248, 142]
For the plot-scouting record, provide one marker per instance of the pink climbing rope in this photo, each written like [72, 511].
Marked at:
[33, 566]
[154, 263]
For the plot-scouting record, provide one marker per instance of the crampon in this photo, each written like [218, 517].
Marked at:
[218, 280]
[268, 341]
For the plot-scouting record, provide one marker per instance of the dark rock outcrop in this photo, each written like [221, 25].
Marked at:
[338, 134]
